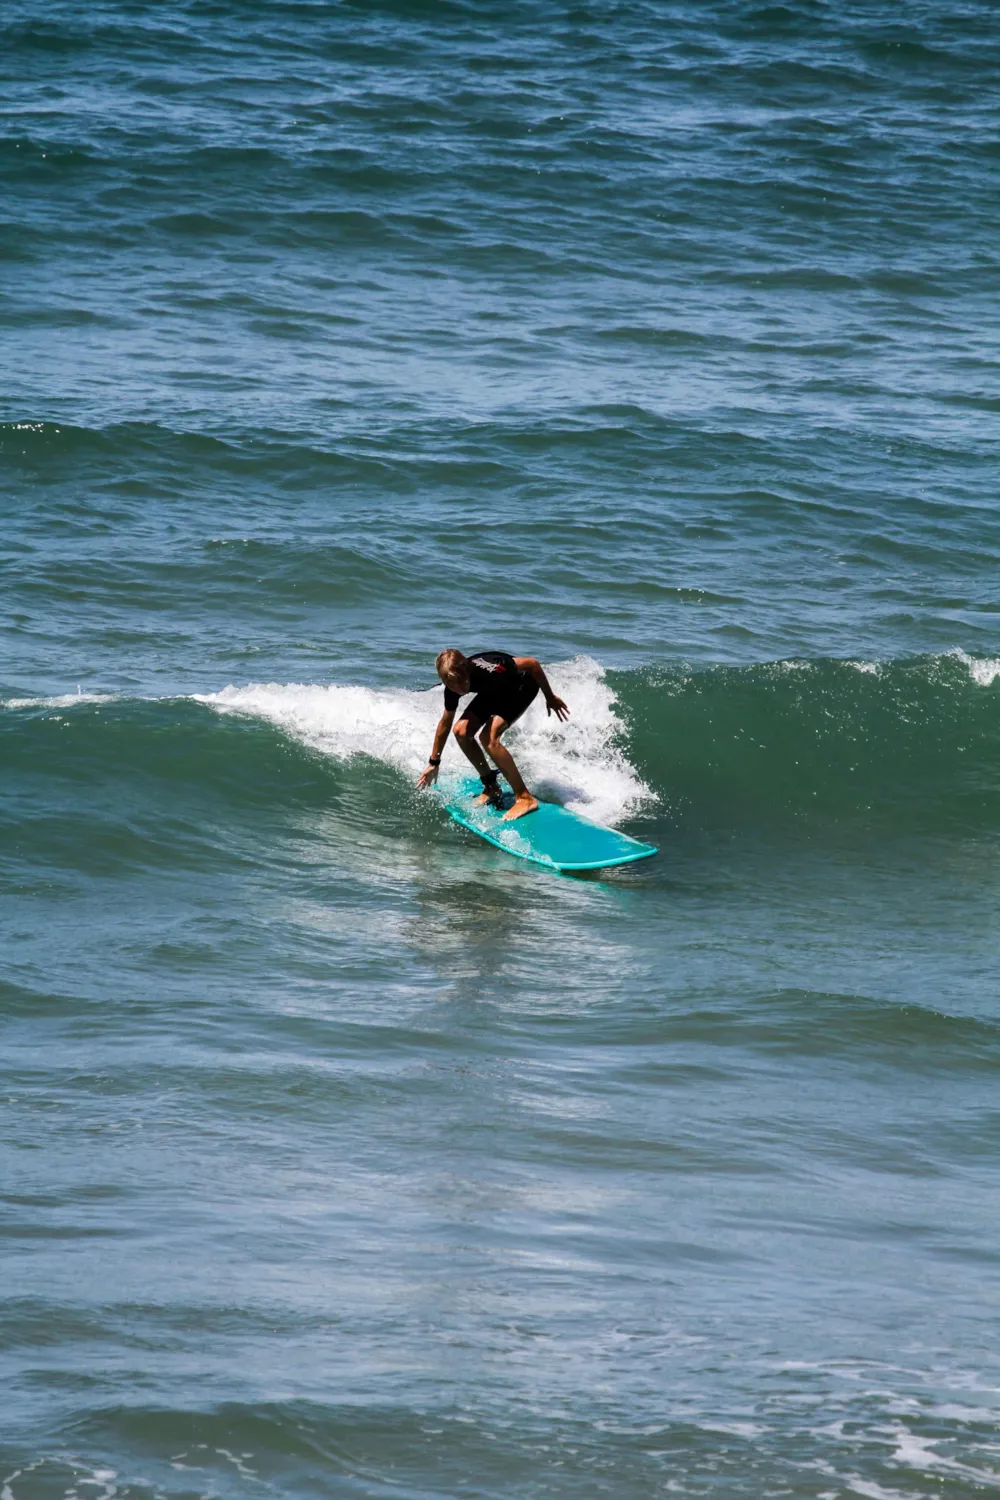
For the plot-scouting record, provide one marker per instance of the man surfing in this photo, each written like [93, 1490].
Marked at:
[504, 687]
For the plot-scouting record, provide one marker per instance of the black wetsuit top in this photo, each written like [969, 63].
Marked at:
[499, 685]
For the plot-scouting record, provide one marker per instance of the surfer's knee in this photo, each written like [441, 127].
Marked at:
[463, 730]
[488, 739]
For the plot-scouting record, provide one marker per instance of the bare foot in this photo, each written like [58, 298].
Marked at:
[523, 805]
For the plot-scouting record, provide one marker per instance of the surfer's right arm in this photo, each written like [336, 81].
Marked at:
[428, 777]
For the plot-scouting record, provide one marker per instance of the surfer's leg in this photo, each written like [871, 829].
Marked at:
[465, 732]
[524, 802]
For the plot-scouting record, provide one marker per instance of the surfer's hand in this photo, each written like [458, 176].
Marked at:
[427, 778]
[556, 706]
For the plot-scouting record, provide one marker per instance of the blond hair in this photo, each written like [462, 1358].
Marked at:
[449, 662]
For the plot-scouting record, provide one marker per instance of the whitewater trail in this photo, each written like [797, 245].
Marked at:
[581, 763]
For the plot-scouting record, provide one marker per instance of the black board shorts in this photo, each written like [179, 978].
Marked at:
[509, 705]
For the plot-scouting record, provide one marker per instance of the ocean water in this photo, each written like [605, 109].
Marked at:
[341, 1154]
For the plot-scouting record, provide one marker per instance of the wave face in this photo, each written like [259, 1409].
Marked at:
[904, 747]
[803, 749]
[898, 747]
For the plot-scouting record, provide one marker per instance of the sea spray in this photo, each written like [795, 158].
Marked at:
[581, 763]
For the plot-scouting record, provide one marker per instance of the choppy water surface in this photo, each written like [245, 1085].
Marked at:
[341, 1154]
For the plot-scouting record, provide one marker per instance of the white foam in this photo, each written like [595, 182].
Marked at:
[63, 700]
[748, 1430]
[874, 1491]
[919, 1453]
[580, 763]
[982, 670]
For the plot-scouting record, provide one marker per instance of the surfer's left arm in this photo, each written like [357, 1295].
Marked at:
[553, 704]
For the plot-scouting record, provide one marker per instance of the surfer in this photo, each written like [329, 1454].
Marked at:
[504, 687]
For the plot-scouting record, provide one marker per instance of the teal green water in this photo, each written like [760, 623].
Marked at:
[340, 1153]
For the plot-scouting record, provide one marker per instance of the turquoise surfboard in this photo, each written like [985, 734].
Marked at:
[553, 836]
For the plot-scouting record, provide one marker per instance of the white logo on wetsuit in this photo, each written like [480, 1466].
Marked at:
[487, 666]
